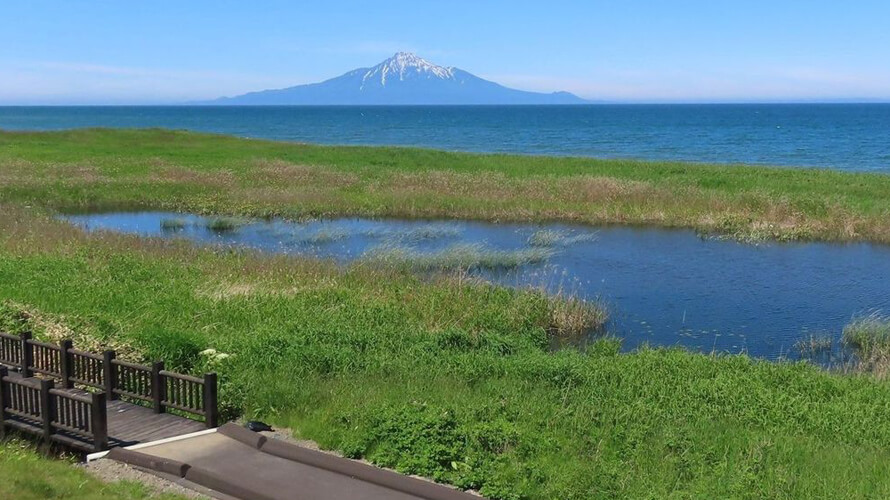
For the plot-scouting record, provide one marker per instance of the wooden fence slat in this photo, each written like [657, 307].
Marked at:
[99, 421]
[47, 408]
[110, 375]
[211, 411]
[27, 355]
[158, 386]
[67, 362]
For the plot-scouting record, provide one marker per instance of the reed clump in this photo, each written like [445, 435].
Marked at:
[174, 224]
[224, 224]
[812, 345]
[571, 317]
[869, 336]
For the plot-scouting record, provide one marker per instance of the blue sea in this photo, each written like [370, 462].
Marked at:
[840, 136]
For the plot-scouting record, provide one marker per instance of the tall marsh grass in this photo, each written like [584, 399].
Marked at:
[557, 237]
[463, 256]
[812, 345]
[571, 317]
[869, 336]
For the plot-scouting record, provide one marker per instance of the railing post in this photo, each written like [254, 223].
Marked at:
[27, 355]
[158, 388]
[99, 421]
[211, 410]
[67, 363]
[47, 408]
[109, 375]
[4, 400]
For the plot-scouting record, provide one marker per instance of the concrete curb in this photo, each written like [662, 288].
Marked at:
[146, 461]
[238, 433]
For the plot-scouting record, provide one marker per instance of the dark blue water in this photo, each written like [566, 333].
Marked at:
[664, 287]
[841, 136]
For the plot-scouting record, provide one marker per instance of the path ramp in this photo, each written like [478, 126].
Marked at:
[243, 464]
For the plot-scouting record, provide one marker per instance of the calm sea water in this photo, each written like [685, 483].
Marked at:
[841, 136]
[663, 287]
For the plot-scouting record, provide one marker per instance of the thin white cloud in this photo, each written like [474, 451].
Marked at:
[59, 82]
[785, 83]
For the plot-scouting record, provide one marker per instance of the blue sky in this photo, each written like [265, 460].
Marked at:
[114, 52]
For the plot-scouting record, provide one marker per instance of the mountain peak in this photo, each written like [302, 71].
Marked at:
[404, 78]
[406, 58]
[403, 66]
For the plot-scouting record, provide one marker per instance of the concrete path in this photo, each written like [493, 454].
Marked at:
[243, 464]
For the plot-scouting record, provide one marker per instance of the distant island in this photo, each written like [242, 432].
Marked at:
[402, 79]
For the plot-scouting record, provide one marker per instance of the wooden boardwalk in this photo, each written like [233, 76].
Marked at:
[130, 424]
[93, 402]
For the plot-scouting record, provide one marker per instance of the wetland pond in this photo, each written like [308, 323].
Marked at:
[662, 287]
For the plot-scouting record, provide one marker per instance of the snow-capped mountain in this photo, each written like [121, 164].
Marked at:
[402, 79]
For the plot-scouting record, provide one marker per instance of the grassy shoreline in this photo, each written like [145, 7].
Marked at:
[110, 169]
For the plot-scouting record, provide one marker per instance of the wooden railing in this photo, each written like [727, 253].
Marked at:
[46, 359]
[20, 397]
[36, 406]
[85, 368]
[132, 380]
[115, 378]
[187, 393]
[82, 415]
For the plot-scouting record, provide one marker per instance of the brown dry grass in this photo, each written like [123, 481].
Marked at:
[57, 327]
[23, 173]
[220, 179]
[281, 172]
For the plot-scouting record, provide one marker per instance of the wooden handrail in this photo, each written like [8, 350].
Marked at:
[85, 354]
[134, 366]
[179, 376]
[44, 344]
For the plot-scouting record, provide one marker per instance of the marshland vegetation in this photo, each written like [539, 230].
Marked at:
[102, 169]
[450, 378]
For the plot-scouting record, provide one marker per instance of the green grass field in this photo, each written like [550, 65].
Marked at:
[448, 378]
